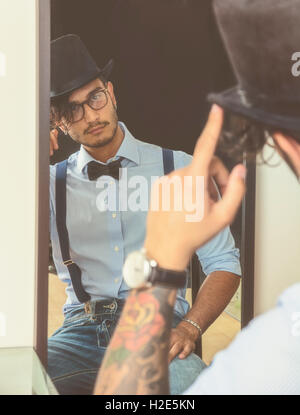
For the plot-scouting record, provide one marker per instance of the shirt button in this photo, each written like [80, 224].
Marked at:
[116, 248]
[114, 215]
[116, 280]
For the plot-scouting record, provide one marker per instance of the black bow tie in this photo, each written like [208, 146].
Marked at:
[96, 170]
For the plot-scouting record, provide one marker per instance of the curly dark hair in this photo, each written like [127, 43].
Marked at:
[243, 138]
[59, 108]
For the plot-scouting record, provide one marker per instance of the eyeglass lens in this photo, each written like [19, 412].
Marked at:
[96, 102]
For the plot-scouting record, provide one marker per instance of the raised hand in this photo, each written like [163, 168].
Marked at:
[171, 236]
[53, 141]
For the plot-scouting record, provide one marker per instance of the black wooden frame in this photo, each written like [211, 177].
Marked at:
[248, 246]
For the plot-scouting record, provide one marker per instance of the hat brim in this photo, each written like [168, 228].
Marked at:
[105, 72]
[231, 100]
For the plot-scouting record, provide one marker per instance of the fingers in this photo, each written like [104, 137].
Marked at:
[223, 212]
[228, 206]
[53, 141]
[175, 349]
[182, 350]
[220, 174]
[206, 144]
[188, 349]
[179, 345]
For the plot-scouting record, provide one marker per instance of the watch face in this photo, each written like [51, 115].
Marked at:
[136, 269]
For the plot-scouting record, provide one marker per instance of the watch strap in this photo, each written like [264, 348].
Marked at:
[173, 279]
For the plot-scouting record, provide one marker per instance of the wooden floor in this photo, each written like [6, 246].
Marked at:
[216, 338]
[56, 300]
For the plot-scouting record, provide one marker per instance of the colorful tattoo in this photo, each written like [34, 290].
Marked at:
[136, 361]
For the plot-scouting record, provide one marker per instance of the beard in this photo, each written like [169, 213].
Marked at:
[101, 143]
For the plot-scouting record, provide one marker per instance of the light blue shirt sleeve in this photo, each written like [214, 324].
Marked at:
[263, 359]
[220, 253]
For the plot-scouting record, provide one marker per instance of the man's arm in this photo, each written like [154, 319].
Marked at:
[141, 340]
[220, 262]
[136, 361]
[212, 298]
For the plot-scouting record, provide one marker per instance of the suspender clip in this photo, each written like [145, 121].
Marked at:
[87, 307]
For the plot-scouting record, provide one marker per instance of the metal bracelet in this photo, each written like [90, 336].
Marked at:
[194, 324]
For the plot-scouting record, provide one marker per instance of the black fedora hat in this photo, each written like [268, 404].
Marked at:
[261, 37]
[72, 66]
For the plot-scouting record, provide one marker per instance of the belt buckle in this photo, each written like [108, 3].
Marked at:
[111, 306]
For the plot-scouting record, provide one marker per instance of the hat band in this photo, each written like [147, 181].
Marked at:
[273, 105]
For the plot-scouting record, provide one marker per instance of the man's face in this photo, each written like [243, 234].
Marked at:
[97, 127]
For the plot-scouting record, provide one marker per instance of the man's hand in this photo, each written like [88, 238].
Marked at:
[182, 342]
[170, 238]
[53, 141]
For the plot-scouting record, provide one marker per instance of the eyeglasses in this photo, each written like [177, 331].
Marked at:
[97, 100]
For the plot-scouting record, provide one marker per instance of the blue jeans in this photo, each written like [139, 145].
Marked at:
[76, 350]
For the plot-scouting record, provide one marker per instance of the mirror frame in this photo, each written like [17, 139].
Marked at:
[42, 259]
[248, 246]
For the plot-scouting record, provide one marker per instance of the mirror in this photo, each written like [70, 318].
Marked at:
[161, 79]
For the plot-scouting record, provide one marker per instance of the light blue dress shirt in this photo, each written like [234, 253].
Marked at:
[264, 359]
[101, 240]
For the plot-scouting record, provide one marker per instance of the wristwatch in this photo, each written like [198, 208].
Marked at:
[139, 271]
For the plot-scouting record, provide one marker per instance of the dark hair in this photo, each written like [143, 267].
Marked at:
[59, 107]
[244, 138]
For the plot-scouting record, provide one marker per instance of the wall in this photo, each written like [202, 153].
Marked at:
[18, 207]
[277, 241]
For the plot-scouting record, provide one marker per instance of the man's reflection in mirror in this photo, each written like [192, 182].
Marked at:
[90, 246]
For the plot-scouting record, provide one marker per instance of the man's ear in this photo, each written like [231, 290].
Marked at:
[289, 149]
[110, 88]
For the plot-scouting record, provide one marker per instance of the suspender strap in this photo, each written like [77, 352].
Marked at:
[61, 211]
[168, 160]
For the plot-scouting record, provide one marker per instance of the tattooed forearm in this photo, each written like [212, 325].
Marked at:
[136, 361]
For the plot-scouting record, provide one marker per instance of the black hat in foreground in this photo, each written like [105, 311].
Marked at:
[261, 38]
[72, 66]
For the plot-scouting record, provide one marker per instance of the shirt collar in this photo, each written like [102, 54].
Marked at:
[128, 149]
